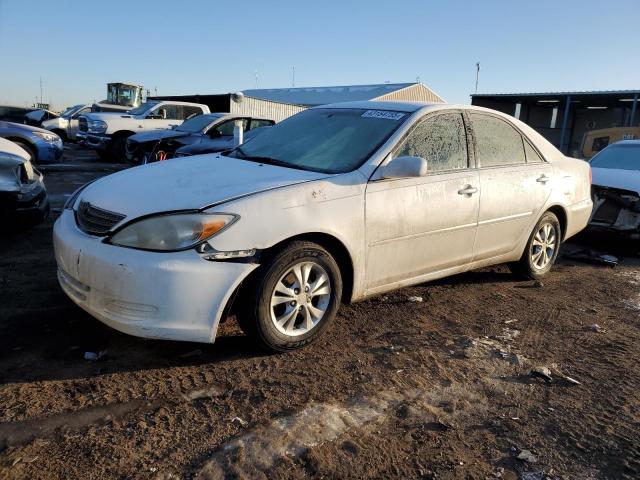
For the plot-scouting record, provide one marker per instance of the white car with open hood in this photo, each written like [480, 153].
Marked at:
[334, 204]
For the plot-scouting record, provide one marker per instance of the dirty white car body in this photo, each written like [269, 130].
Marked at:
[384, 230]
[616, 188]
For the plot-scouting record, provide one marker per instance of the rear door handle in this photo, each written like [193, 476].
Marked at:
[468, 190]
[543, 179]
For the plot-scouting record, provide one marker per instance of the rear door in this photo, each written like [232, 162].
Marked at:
[514, 182]
[416, 226]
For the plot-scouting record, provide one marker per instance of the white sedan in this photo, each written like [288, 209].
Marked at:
[336, 203]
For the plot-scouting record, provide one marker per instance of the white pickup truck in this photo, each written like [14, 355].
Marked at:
[107, 132]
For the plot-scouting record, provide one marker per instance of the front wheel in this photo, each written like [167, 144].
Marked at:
[292, 298]
[542, 249]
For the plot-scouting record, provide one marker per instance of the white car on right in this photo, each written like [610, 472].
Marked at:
[616, 188]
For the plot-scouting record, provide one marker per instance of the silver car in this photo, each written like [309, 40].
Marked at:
[336, 203]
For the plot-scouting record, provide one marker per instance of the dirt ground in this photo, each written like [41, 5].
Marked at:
[396, 388]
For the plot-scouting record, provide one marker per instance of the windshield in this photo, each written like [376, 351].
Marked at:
[329, 140]
[71, 110]
[197, 124]
[623, 157]
[122, 95]
[142, 109]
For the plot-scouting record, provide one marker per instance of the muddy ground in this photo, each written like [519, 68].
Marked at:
[438, 388]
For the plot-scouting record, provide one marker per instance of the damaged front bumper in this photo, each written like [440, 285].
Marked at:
[615, 209]
[172, 295]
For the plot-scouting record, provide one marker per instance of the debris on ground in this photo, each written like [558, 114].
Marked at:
[527, 456]
[593, 256]
[211, 392]
[596, 328]
[94, 356]
[542, 372]
[239, 420]
[415, 299]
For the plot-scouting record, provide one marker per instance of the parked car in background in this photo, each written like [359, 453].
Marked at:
[214, 145]
[214, 129]
[107, 132]
[66, 125]
[23, 197]
[37, 117]
[616, 188]
[10, 113]
[338, 202]
[41, 145]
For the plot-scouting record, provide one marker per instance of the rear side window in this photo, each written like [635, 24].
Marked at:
[497, 142]
[260, 123]
[440, 140]
[189, 111]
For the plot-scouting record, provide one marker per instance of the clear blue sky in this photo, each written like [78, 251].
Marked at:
[184, 47]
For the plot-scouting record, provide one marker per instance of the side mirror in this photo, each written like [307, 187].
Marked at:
[404, 167]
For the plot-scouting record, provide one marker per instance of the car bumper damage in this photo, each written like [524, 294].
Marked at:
[178, 296]
[616, 209]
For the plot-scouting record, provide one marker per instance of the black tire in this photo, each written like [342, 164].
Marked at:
[30, 150]
[527, 267]
[103, 155]
[118, 149]
[255, 313]
[62, 134]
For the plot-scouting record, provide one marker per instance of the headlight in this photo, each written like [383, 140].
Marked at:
[97, 126]
[172, 232]
[47, 137]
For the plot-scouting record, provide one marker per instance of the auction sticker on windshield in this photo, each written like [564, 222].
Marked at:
[383, 114]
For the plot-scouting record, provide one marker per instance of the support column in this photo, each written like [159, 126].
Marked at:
[565, 118]
[634, 107]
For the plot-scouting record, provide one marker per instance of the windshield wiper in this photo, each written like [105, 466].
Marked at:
[268, 160]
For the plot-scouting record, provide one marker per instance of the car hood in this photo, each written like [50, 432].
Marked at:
[196, 184]
[158, 135]
[21, 126]
[206, 146]
[616, 178]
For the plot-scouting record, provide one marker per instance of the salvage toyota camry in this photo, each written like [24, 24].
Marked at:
[336, 203]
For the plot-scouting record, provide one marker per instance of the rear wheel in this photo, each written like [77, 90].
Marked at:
[292, 298]
[542, 249]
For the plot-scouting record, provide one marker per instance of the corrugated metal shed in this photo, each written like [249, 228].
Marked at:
[277, 111]
[311, 96]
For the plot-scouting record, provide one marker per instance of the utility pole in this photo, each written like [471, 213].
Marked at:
[40, 89]
[256, 72]
[293, 76]
[477, 74]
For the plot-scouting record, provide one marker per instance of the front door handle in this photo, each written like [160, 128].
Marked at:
[468, 190]
[543, 179]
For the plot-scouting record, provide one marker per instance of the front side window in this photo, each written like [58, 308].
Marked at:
[440, 140]
[170, 112]
[497, 142]
[225, 129]
[330, 140]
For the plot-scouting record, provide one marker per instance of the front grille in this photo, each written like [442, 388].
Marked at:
[82, 125]
[96, 221]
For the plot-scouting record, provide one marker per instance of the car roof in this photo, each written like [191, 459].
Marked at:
[633, 143]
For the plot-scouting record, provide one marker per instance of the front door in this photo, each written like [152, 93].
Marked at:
[416, 226]
[515, 184]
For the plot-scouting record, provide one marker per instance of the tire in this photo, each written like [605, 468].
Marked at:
[117, 149]
[542, 249]
[29, 149]
[103, 155]
[290, 318]
[62, 134]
